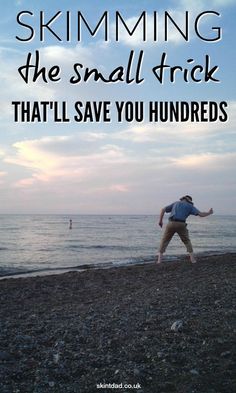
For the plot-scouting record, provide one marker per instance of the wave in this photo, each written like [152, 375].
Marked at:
[98, 247]
[13, 272]
[46, 249]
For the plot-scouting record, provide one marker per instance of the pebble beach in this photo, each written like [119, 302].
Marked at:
[147, 329]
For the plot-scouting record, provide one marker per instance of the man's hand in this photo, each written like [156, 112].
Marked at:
[160, 224]
[205, 214]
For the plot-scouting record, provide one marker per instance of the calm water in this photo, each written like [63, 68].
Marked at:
[45, 242]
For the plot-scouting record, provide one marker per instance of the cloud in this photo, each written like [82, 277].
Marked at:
[93, 136]
[25, 182]
[139, 133]
[35, 155]
[55, 53]
[119, 188]
[2, 152]
[111, 177]
[206, 161]
[50, 159]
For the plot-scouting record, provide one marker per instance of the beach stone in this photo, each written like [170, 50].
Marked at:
[24, 338]
[225, 354]
[168, 387]
[194, 372]
[137, 372]
[177, 326]
[5, 356]
[56, 358]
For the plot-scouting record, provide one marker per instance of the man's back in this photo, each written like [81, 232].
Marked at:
[180, 210]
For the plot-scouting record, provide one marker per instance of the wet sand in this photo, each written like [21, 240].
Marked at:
[70, 332]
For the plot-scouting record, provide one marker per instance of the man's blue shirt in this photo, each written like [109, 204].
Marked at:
[180, 210]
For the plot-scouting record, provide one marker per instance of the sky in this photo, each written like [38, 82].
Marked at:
[126, 167]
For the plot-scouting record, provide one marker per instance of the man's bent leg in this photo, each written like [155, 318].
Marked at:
[184, 236]
[167, 236]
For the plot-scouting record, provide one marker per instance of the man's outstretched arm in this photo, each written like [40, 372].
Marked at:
[205, 214]
[162, 212]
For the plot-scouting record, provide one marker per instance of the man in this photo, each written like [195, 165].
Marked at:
[179, 212]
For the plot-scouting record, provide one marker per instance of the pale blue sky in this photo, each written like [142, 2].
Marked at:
[116, 167]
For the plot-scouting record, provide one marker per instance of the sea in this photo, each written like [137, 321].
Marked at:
[45, 244]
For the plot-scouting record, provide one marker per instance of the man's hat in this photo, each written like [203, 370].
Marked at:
[187, 198]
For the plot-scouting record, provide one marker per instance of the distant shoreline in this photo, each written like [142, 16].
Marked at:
[109, 265]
